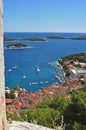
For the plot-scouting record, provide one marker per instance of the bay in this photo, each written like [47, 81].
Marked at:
[41, 53]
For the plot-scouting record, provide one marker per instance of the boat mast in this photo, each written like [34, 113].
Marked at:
[2, 81]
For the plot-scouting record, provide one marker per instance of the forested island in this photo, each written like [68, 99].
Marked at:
[73, 38]
[55, 37]
[17, 46]
[34, 39]
[79, 38]
[28, 39]
[9, 39]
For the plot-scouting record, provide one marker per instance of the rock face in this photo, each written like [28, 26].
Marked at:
[26, 126]
[2, 82]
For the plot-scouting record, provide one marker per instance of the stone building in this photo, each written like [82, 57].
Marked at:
[2, 81]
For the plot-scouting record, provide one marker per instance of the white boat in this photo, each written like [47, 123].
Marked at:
[34, 83]
[41, 82]
[9, 70]
[46, 82]
[15, 67]
[37, 69]
[24, 77]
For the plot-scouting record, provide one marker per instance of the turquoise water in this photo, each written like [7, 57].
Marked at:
[41, 53]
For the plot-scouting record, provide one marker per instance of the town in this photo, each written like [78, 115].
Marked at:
[74, 68]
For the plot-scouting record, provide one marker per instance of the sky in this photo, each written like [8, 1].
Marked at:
[44, 15]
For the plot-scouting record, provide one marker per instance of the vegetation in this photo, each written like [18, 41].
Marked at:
[81, 57]
[65, 68]
[48, 112]
[11, 117]
[11, 93]
[79, 38]
[33, 39]
[49, 37]
[55, 37]
[29, 39]
[69, 60]
[9, 39]
[73, 110]
[74, 38]
[17, 45]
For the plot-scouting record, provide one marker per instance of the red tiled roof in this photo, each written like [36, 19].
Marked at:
[18, 105]
[8, 101]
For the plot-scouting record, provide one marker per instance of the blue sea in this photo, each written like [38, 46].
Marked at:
[44, 54]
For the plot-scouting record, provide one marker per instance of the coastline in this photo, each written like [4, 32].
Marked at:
[41, 54]
[63, 73]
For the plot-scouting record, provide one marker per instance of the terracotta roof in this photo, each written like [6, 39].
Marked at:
[18, 105]
[8, 101]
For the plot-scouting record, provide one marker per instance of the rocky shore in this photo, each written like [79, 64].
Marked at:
[26, 126]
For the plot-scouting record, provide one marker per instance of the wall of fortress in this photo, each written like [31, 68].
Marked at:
[2, 80]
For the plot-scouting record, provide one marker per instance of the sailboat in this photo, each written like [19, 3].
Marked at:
[37, 68]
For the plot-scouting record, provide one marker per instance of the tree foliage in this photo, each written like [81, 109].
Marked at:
[44, 117]
[76, 111]
[48, 112]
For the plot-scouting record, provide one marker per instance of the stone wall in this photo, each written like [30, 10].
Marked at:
[26, 126]
[2, 81]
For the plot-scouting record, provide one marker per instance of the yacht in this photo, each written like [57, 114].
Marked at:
[15, 67]
[9, 70]
[46, 82]
[34, 83]
[24, 77]
[37, 69]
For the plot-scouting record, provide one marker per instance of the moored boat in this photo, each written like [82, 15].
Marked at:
[37, 69]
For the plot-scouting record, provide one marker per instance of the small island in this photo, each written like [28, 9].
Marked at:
[17, 46]
[64, 38]
[79, 38]
[55, 37]
[9, 39]
[34, 39]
